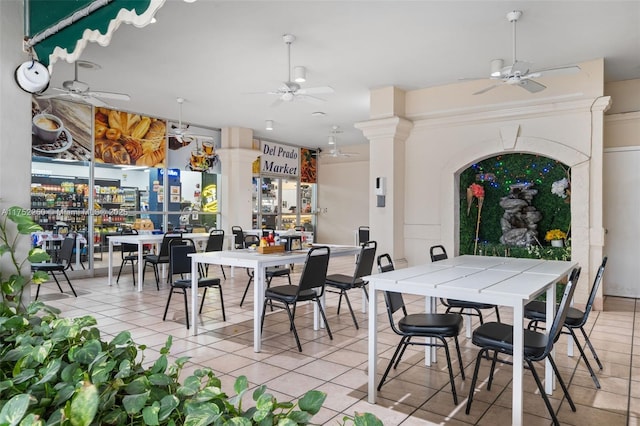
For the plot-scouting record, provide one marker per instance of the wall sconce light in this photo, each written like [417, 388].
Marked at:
[496, 67]
[332, 140]
[299, 74]
[268, 125]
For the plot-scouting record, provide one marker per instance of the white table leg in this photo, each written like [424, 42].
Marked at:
[140, 264]
[78, 254]
[364, 301]
[110, 262]
[194, 297]
[518, 358]
[430, 351]
[258, 301]
[549, 377]
[373, 344]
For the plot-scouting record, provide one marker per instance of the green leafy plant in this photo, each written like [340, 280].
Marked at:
[59, 371]
[13, 279]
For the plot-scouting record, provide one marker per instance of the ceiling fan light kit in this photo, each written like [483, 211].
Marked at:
[519, 72]
[299, 74]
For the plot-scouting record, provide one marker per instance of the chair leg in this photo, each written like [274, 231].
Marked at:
[133, 273]
[204, 295]
[68, 282]
[224, 316]
[455, 339]
[593, 351]
[53, 274]
[164, 317]
[246, 290]
[474, 379]
[223, 274]
[584, 357]
[186, 306]
[353, 315]
[451, 380]
[391, 361]
[156, 273]
[37, 291]
[120, 271]
[543, 393]
[494, 360]
[293, 327]
[497, 313]
[324, 318]
[562, 384]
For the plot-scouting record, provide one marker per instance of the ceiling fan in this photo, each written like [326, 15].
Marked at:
[180, 132]
[80, 90]
[520, 73]
[333, 143]
[291, 90]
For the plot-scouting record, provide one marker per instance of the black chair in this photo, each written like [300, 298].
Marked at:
[463, 306]
[498, 338]
[536, 312]
[129, 254]
[310, 288]
[180, 263]
[215, 243]
[363, 234]
[162, 257]
[343, 283]
[438, 326]
[238, 237]
[52, 268]
[270, 273]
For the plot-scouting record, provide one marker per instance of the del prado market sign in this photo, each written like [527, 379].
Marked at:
[279, 159]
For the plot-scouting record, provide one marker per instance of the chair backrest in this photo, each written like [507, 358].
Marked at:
[166, 241]
[238, 233]
[179, 250]
[314, 273]
[563, 309]
[394, 302]
[216, 240]
[366, 259]
[250, 240]
[594, 291]
[385, 264]
[363, 234]
[128, 247]
[66, 250]
[438, 253]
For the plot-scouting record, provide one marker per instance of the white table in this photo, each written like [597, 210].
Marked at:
[501, 281]
[259, 262]
[141, 240]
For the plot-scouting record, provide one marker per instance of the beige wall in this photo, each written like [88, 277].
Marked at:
[451, 129]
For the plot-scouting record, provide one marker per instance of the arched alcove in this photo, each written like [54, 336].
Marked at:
[522, 197]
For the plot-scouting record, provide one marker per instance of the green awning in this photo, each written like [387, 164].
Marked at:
[60, 29]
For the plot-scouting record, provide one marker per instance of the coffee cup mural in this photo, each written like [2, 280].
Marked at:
[47, 127]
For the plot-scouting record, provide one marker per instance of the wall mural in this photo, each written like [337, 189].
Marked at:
[195, 150]
[60, 129]
[128, 138]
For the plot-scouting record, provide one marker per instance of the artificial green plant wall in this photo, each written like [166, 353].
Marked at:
[495, 175]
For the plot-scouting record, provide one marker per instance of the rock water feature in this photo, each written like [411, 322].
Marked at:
[520, 220]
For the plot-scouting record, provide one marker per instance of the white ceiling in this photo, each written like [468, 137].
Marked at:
[214, 53]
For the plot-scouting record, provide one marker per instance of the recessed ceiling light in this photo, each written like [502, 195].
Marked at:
[318, 114]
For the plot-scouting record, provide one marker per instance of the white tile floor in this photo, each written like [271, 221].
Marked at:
[413, 394]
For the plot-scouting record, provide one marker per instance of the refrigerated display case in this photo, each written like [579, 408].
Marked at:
[284, 204]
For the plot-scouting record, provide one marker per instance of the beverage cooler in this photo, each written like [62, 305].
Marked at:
[283, 204]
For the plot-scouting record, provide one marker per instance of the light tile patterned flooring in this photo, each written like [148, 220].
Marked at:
[413, 395]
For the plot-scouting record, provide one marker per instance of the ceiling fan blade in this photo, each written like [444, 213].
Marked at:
[109, 95]
[53, 95]
[531, 85]
[570, 69]
[91, 100]
[315, 90]
[486, 89]
[520, 67]
[276, 103]
[311, 99]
